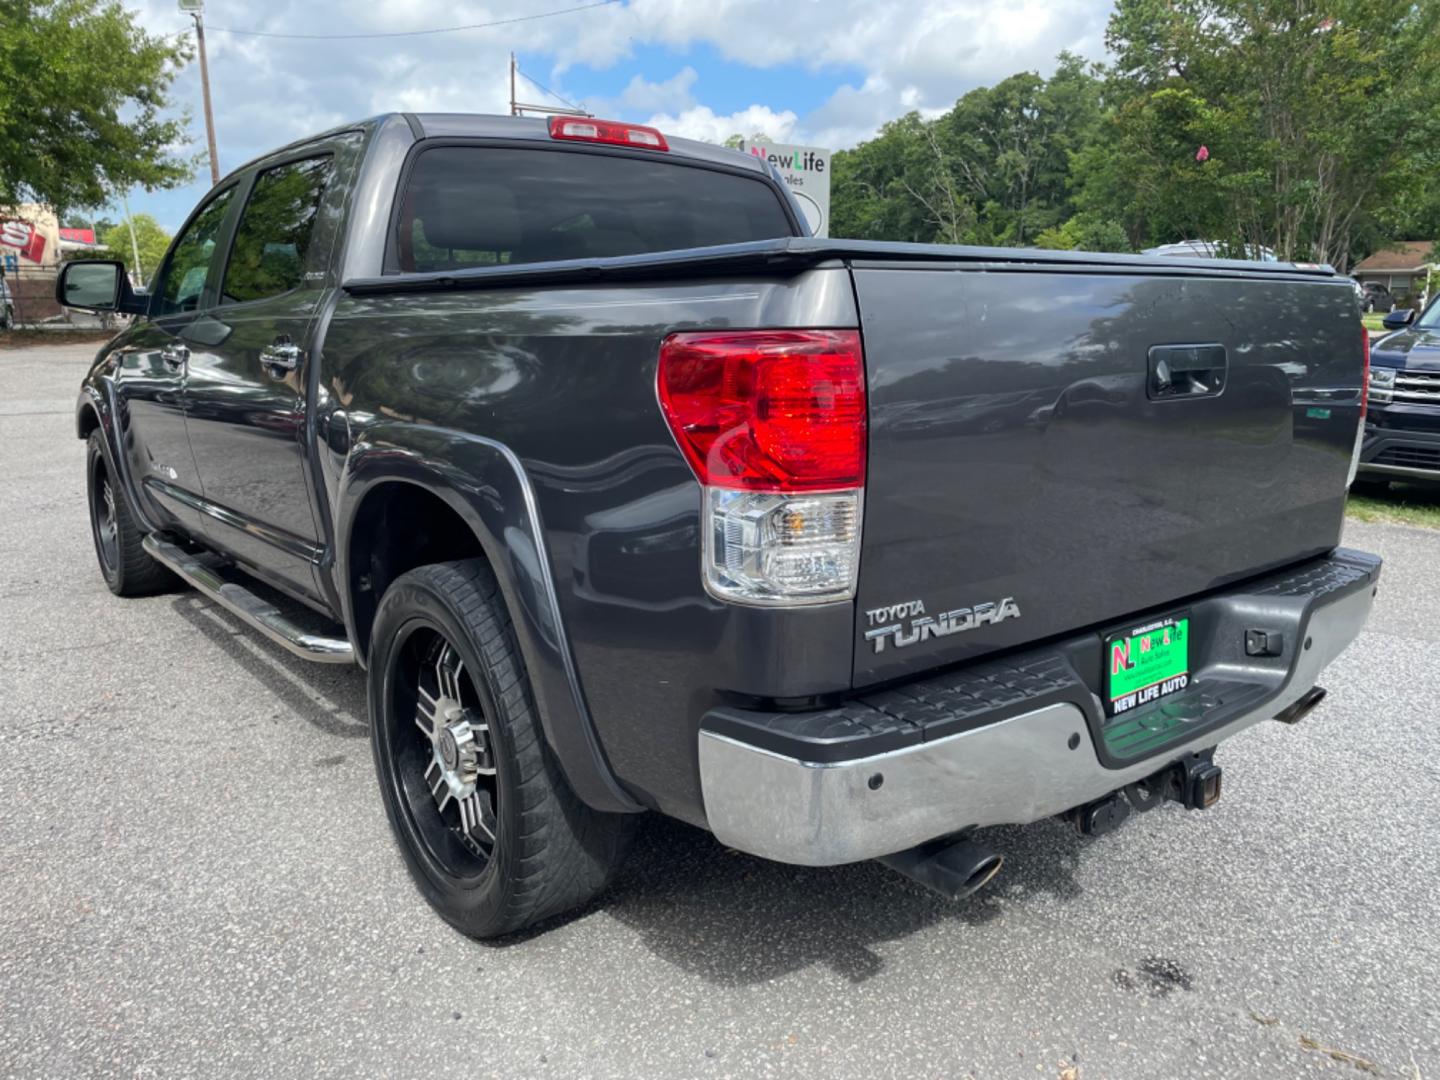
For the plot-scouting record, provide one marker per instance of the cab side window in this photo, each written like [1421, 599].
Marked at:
[272, 240]
[184, 276]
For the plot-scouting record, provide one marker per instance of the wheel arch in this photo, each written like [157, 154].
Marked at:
[453, 480]
[94, 412]
[89, 412]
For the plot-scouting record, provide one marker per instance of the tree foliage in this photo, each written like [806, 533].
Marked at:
[1311, 130]
[113, 242]
[993, 170]
[83, 93]
[150, 238]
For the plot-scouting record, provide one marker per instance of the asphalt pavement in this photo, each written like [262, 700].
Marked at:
[196, 878]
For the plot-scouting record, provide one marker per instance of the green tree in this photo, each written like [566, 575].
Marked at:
[1143, 171]
[82, 93]
[150, 238]
[1310, 129]
[993, 170]
[899, 185]
[1011, 145]
[1086, 232]
[1320, 122]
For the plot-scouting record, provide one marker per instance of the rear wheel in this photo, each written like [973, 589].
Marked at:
[490, 830]
[119, 547]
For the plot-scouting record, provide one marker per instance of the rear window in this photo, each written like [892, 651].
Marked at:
[470, 206]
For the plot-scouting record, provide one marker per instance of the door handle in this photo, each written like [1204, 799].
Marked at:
[174, 356]
[1186, 371]
[280, 356]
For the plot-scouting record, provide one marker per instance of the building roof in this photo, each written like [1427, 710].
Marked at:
[1410, 255]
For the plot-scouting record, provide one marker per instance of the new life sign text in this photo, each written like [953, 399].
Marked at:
[806, 169]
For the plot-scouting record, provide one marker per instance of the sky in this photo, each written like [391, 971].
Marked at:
[823, 73]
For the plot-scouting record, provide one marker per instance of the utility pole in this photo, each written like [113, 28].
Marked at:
[520, 108]
[196, 10]
[134, 244]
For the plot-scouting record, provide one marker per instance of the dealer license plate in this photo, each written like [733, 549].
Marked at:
[1147, 663]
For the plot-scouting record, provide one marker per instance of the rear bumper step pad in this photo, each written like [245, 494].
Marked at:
[1017, 739]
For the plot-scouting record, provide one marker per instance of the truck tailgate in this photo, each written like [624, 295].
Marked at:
[1088, 444]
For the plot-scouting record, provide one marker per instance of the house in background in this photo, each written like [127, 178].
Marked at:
[1404, 270]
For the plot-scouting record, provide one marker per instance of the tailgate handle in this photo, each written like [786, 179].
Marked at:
[1186, 371]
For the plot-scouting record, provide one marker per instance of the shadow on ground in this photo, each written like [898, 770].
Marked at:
[735, 919]
[712, 912]
[329, 696]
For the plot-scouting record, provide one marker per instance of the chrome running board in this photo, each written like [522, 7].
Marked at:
[246, 605]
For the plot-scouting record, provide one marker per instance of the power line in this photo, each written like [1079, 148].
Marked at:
[415, 33]
[547, 90]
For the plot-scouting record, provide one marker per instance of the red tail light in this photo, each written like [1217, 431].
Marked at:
[585, 129]
[767, 410]
[1365, 375]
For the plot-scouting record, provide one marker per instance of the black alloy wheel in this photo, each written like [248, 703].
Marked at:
[491, 831]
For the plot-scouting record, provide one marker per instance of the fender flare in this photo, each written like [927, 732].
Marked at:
[96, 396]
[485, 484]
[91, 401]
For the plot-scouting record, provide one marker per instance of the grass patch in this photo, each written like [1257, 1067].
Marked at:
[1402, 504]
[1372, 320]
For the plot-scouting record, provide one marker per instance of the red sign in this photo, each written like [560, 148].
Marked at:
[24, 236]
[78, 236]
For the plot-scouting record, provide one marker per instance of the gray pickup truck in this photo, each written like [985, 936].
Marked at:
[629, 495]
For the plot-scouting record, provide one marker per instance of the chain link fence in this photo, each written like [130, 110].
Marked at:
[29, 296]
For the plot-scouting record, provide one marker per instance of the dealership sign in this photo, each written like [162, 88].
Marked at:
[30, 235]
[24, 238]
[806, 170]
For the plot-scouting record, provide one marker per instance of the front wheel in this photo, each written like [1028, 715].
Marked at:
[491, 832]
[119, 547]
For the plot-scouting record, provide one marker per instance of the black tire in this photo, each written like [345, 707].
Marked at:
[547, 852]
[119, 549]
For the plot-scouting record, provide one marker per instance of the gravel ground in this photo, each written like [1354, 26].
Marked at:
[196, 878]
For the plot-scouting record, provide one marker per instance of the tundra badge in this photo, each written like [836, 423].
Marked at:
[923, 627]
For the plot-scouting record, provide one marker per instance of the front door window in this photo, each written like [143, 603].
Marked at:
[183, 280]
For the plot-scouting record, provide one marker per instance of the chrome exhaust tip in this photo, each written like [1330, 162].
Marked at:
[953, 869]
[1293, 714]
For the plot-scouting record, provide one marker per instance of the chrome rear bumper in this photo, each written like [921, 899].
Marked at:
[1014, 771]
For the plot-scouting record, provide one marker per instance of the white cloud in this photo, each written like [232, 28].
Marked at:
[671, 95]
[701, 122]
[877, 59]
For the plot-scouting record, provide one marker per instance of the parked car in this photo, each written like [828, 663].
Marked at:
[632, 496]
[1375, 297]
[1402, 425]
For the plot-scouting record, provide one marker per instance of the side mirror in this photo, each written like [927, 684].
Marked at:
[1398, 319]
[95, 285]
